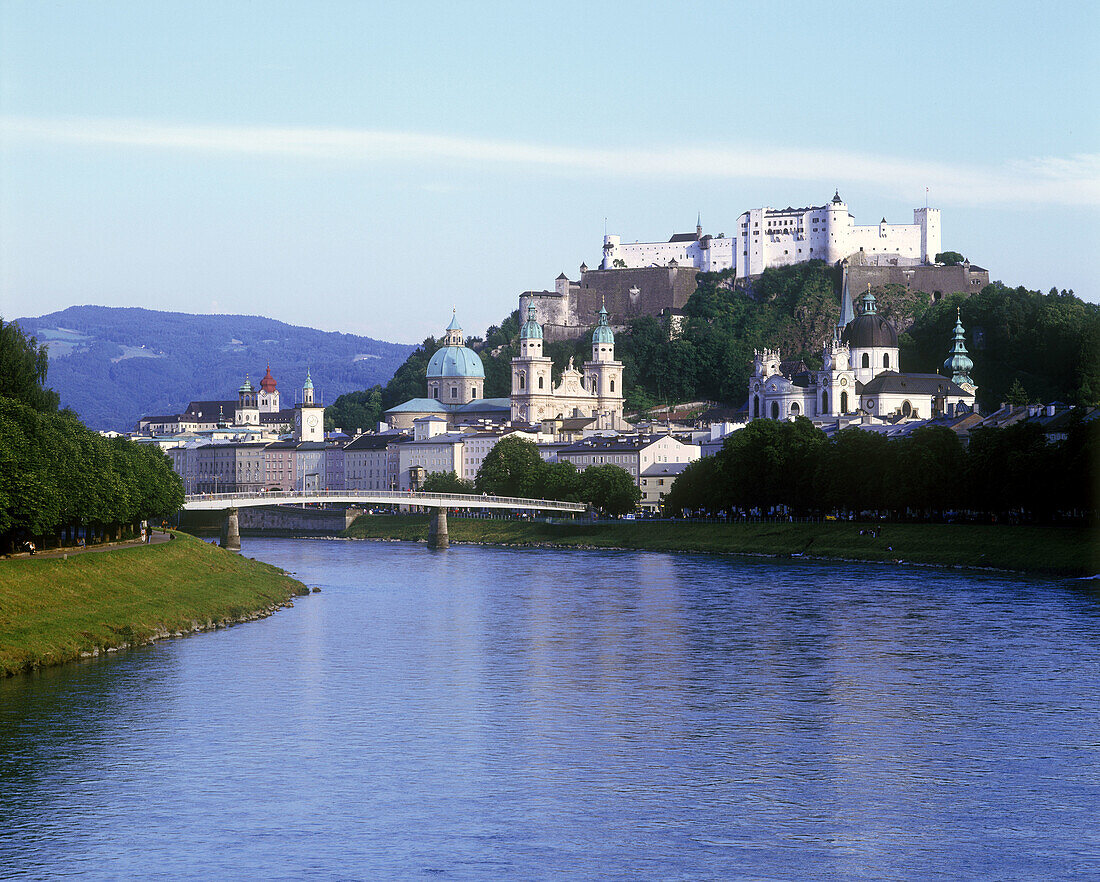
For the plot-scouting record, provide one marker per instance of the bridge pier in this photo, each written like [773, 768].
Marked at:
[231, 531]
[437, 532]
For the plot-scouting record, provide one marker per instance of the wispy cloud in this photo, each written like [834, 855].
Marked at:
[1068, 180]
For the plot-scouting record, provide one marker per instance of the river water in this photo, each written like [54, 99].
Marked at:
[488, 713]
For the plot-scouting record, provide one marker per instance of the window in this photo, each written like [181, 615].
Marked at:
[755, 406]
[824, 402]
[522, 381]
[886, 360]
[540, 382]
[794, 408]
[775, 410]
[866, 360]
[454, 391]
[612, 385]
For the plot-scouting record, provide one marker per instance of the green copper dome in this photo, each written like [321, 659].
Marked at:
[246, 386]
[531, 329]
[603, 333]
[309, 380]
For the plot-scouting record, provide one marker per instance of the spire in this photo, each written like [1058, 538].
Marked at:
[958, 363]
[454, 325]
[847, 311]
[699, 225]
[309, 380]
[836, 198]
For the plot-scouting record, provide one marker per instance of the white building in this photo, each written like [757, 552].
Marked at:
[704, 252]
[634, 453]
[597, 392]
[860, 373]
[767, 237]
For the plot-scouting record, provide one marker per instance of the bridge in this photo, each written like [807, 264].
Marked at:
[438, 502]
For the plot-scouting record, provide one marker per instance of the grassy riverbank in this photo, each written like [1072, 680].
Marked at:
[54, 610]
[1066, 551]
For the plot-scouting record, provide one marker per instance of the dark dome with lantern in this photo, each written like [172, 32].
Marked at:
[869, 330]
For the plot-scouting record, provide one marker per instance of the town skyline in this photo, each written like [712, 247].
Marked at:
[346, 171]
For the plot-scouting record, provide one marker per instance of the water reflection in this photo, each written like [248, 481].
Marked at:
[487, 712]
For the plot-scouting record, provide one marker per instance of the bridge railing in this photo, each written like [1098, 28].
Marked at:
[397, 497]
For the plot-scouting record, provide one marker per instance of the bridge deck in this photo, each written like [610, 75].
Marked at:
[223, 501]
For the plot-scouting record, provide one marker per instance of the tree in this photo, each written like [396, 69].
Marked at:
[561, 480]
[950, 258]
[23, 365]
[512, 468]
[355, 410]
[610, 488]
[447, 482]
[1017, 395]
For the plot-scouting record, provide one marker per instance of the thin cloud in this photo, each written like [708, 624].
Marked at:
[1070, 180]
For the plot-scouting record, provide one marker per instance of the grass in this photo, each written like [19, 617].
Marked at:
[1060, 551]
[54, 610]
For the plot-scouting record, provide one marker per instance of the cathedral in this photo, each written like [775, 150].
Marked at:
[860, 375]
[456, 379]
[597, 391]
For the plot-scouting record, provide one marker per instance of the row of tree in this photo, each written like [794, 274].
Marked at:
[58, 478]
[1011, 472]
[514, 468]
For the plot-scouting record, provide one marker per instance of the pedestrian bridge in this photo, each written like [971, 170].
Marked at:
[437, 502]
[224, 501]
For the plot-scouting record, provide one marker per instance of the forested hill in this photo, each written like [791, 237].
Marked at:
[114, 365]
[1027, 346]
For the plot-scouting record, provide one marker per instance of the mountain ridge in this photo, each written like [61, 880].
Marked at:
[113, 365]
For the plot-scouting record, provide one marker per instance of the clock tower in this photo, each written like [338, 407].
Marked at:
[309, 416]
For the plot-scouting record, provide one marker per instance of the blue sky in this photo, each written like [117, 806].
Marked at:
[366, 167]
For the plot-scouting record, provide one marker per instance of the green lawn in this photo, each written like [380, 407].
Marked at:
[1070, 551]
[52, 610]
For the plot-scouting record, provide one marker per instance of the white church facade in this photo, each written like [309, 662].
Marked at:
[860, 374]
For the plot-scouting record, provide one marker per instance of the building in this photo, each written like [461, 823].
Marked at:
[655, 483]
[371, 461]
[860, 373]
[257, 409]
[597, 392]
[455, 380]
[634, 453]
[658, 278]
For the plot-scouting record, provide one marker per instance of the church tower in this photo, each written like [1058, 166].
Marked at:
[604, 376]
[532, 394]
[248, 408]
[959, 364]
[309, 416]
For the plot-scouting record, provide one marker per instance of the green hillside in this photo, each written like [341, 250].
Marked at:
[1026, 345]
[114, 365]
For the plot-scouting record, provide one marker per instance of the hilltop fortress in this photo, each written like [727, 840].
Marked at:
[657, 278]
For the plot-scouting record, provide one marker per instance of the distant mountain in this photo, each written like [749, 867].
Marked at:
[113, 366]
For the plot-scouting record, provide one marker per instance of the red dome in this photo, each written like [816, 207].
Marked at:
[268, 382]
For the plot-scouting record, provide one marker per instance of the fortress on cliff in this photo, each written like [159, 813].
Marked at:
[657, 278]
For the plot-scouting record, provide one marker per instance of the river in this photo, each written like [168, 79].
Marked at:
[485, 713]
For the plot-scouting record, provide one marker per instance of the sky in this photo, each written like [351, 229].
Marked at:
[368, 167]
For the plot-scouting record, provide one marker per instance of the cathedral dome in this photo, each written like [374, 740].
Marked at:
[869, 330]
[455, 361]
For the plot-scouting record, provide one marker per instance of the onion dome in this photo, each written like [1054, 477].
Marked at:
[836, 198]
[268, 382]
[958, 363]
[309, 381]
[531, 329]
[246, 386]
[603, 333]
[869, 330]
